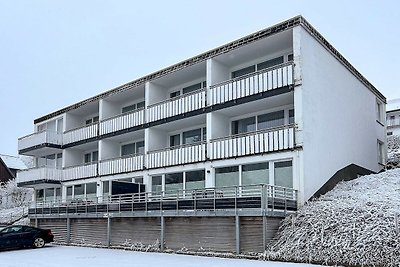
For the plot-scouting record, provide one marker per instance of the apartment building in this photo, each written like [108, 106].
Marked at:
[210, 152]
[393, 117]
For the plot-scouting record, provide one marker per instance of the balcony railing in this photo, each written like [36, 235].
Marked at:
[178, 105]
[393, 123]
[262, 199]
[39, 138]
[81, 171]
[122, 121]
[44, 174]
[250, 143]
[121, 165]
[177, 155]
[81, 133]
[253, 83]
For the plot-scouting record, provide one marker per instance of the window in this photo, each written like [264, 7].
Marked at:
[79, 191]
[174, 94]
[91, 157]
[133, 107]
[389, 133]
[69, 192]
[91, 190]
[128, 149]
[138, 180]
[40, 195]
[174, 181]
[269, 63]
[92, 120]
[255, 173]
[58, 193]
[174, 140]
[192, 136]
[291, 116]
[195, 180]
[380, 152]
[283, 174]
[156, 183]
[243, 71]
[227, 176]
[106, 188]
[270, 120]
[49, 194]
[290, 57]
[191, 88]
[378, 111]
[244, 125]
[140, 105]
[59, 161]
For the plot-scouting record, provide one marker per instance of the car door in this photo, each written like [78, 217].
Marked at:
[9, 237]
[26, 236]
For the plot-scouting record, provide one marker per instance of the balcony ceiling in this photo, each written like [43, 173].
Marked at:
[183, 123]
[128, 96]
[185, 75]
[273, 44]
[90, 108]
[132, 136]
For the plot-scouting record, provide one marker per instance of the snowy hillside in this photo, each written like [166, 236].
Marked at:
[14, 203]
[393, 152]
[354, 224]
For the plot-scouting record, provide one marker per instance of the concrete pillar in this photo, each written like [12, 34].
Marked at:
[162, 233]
[264, 226]
[68, 230]
[108, 231]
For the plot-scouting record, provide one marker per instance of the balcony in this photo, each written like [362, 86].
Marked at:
[184, 154]
[44, 139]
[393, 122]
[81, 133]
[79, 172]
[262, 141]
[39, 176]
[251, 84]
[121, 165]
[122, 122]
[176, 106]
[258, 200]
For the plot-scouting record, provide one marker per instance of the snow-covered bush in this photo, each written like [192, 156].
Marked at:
[354, 224]
[12, 196]
[393, 160]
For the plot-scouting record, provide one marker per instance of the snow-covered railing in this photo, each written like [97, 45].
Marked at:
[261, 199]
[178, 105]
[39, 174]
[253, 83]
[177, 155]
[121, 165]
[81, 171]
[40, 138]
[81, 133]
[122, 121]
[262, 141]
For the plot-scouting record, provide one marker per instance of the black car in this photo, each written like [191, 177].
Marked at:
[19, 236]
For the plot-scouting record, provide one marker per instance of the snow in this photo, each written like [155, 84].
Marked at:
[14, 203]
[61, 256]
[393, 152]
[354, 224]
[13, 162]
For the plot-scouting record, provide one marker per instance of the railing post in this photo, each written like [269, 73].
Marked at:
[108, 231]
[284, 195]
[237, 233]
[162, 232]
[264, 200]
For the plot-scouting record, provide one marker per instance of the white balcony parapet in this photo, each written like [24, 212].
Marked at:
[81, 133]
[81, 171]
[177, 155]
[39, 138]
[253, 83]
[393, 122]
[38, 174]
[121, 165]
[122, 121]
[178, 105]
[262, 141]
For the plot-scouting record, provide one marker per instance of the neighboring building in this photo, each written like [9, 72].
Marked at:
[393, 117]
[9, 165]
[280, 107]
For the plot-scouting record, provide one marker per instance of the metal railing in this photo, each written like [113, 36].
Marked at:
[176, 155]
[121, 164]
[81, 133]
[252, 83]
[42, 137]
[80, 171]
[260, 198]
[261, 141]
[122, 121]
[393, 122]
[41, 173]
[178, 105]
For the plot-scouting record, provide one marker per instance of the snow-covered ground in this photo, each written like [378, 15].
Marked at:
[393, 160]
[61, 256]
[354, 224]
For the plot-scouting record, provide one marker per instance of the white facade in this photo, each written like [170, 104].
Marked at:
[284, 109]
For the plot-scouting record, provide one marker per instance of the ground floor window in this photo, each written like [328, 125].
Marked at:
[173, 182]
[255, 173]
[48, 194]
[195, 180]
[227, 176]
[91, 190]
[156, 183]
[283, 174]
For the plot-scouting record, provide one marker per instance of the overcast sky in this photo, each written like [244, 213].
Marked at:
[56, 53]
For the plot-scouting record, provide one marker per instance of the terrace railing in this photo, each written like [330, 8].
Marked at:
[121, 164]
[122, 121]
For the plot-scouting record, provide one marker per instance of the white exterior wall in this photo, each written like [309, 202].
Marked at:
[108, 109]
[338, 116]
[108, 149]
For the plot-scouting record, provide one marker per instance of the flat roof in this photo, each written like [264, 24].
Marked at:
[280, 27]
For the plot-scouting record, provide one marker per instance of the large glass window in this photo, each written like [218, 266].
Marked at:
[195, 180]
[243, 71]
[191, 88]
[140, 147]
[175, 94]
[91, 190]
[69, 192]
[255, 174]
[283, 174]
[156, 183]
[174, 181]
[291, 116]
[58, 193]
[91, 157]
[128, 149]
[174, 140]
[106, 188]
[129, 108]
[270, 120]
[78, 191]
[244, 125]
[40, 195]
[49, 194]
[269, 63]
[192, 136]
[227, 176]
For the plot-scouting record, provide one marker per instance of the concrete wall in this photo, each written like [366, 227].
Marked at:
[338, 118]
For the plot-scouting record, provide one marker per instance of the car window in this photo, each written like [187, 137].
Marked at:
[12, 229]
